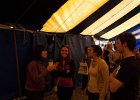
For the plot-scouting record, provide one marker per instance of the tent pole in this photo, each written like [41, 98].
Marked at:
[17, 66]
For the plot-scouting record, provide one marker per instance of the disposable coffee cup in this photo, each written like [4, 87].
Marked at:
[50, 62]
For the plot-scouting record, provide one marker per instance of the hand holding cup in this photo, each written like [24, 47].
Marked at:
[52, 66]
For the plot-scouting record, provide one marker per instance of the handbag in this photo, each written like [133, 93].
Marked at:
[83, 68]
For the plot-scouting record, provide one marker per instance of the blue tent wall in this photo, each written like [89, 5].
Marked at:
[77, 45]
[137, 27]
[9, 86]
[25, 41]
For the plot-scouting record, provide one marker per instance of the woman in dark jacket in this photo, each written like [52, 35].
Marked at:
[64, 74]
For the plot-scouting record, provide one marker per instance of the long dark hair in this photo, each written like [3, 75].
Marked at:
[36, 54]
[67, 59]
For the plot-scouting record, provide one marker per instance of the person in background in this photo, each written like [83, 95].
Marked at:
[36, 72]
[97, 87]
[64, 74]
[87, 60]
[114, 59]
[107, 49]
[124, 80]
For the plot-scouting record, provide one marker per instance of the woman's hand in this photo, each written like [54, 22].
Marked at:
[52, 67]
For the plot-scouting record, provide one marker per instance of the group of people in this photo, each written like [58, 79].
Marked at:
[62, 69]
[122, 82]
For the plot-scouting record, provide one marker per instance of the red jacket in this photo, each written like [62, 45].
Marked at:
[35, 80]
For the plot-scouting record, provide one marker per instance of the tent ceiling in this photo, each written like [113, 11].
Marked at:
[71, 14]
[33, 14]
[29, 13]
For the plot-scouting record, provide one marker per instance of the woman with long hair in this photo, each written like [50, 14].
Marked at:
[36, 72]
[64, 74]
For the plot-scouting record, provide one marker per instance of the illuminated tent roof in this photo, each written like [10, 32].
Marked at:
[71, 14]
[101, 18]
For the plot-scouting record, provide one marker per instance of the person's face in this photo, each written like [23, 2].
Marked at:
[64, 52]
[44, 54]
[119, 46]
[89, 52]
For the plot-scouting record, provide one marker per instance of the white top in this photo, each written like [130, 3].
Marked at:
[93, 77]
[98, 78]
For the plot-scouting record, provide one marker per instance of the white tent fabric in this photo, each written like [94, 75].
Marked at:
[138, 36]
[110, 17]
[74, 12]
[71, 14]
[123, 27]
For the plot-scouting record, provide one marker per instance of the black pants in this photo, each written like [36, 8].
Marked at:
[92, 96]
[35, 95]
[84, 81]
[64, 93]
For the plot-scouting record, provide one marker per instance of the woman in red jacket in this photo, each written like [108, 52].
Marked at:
[36, 72]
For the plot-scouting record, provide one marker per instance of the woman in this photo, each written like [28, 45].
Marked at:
[106, 52]
[97, 87]
[64, 74]
[36, 72]
[87, 60]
